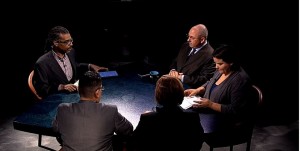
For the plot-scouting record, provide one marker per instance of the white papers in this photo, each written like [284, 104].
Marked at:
[76, 83]
[188, 101]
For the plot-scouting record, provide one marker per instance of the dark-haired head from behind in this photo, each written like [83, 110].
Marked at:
[169, 91]
[53, 35]
[229, 55]
[89, 83]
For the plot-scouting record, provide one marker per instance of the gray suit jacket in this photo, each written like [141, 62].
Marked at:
[198, 69]
[89, 126]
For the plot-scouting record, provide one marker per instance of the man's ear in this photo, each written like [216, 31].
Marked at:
[55, 43]
[98, 93]
[202, 40]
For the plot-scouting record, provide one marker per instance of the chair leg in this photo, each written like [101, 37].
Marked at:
[231, 147]
[40, 140]
[248, 145]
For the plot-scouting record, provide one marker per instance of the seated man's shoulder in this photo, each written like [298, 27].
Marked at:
[109, 106]
[64, 105]
[44, 57]
[148, 113]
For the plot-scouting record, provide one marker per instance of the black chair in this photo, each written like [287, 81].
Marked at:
[239, 137]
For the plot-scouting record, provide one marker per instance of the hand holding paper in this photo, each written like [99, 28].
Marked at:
[189, 101]
[76, 83]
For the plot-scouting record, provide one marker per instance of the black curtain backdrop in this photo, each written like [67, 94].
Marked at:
[266, 36]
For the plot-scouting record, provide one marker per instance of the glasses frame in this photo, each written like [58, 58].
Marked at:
[66, 42]
[101, 88]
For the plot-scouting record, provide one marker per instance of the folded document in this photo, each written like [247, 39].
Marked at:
[188, 101]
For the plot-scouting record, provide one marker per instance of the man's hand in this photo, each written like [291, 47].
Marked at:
[175, 73]
[68, 87]
[97, 68]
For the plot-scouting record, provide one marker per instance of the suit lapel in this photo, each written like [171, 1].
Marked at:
[73, 62]
[194, 58]
[56, 68]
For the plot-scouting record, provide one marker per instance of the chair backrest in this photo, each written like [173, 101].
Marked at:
[246, 138]
[259, 93]
[31, 87]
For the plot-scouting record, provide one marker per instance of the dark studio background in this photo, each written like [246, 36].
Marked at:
[266, 35]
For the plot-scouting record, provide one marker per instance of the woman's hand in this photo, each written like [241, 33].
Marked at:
[97, 68]
[193, 92]
[190, 92]
[202, 103]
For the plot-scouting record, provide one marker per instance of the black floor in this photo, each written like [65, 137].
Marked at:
[265, 138]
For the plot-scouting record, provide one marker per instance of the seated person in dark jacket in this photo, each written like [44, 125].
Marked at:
[57, 70]
[226, 97]
[169, 127]
[194, 64]
[89, 125]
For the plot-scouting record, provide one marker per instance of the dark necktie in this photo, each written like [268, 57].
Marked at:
[190, 54]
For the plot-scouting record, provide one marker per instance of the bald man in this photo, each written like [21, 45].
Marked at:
[194, 65]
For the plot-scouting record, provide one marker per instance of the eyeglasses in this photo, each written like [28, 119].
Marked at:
[66, 42]
[101, 88]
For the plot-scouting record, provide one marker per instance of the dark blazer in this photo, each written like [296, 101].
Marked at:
[48, 75]
[198, 69]
[89, 126]
[234, 95]
[165, 129]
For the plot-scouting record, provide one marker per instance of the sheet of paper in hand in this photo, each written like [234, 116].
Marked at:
[104, 74]
[188, 101]
[76, 83]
